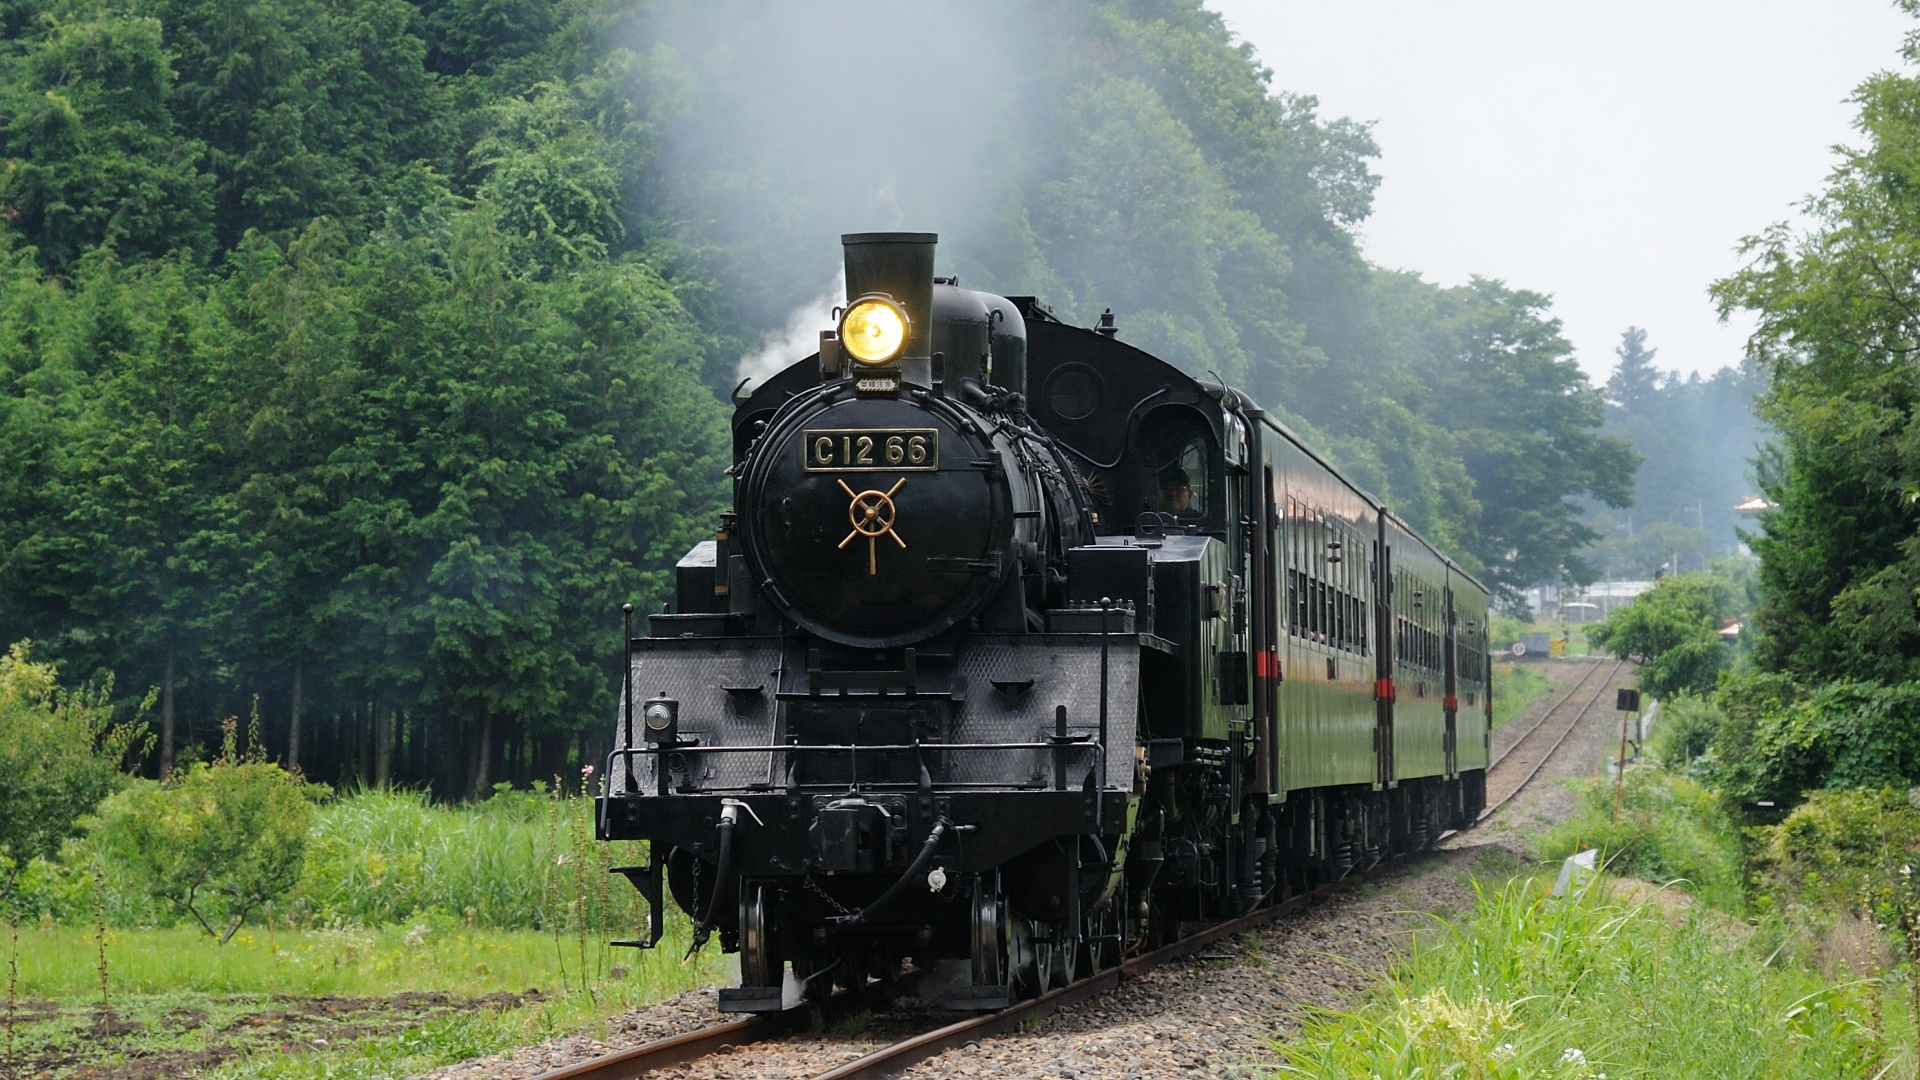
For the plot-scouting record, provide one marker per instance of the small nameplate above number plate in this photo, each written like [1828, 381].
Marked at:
[871, 450]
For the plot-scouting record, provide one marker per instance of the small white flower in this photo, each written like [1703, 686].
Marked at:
[586, 770]
[1573, 1056]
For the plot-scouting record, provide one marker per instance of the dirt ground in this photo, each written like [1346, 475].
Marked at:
[151, 1037]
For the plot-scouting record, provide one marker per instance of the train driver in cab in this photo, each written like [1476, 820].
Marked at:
[1176, 491]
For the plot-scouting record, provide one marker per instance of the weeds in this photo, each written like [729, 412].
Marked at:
[1590, 986]
[1670, 831]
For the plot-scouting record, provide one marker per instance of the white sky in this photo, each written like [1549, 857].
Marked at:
[1611, 154]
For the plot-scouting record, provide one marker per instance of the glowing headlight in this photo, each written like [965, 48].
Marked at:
[873, 331]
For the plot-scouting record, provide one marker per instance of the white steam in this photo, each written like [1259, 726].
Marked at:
[799, 339]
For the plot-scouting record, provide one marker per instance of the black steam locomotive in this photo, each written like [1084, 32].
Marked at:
[1021, 649]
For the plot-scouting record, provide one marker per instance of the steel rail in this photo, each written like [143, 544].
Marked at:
[1551, 709]
[691, 1046]
[898, 1057]
[1551, 750]
[671, 1051]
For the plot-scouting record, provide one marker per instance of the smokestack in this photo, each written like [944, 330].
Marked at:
[899, 264]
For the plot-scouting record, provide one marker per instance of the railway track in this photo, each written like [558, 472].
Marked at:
[896, 1057]
[1531, 753]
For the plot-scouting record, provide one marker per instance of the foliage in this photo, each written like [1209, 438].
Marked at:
[1591, 985]
[1671, 830]
[1683, 730]
[1842, 850]
[517, 860]
[219, 842]
[1782, 739]
[1672, 631]
[60, 754]
[1840, 556]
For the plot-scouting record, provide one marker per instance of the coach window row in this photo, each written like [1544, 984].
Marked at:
[1326, 575]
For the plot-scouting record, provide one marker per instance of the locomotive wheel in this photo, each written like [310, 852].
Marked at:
[989, 933]
[1030, 957]
[760, 960]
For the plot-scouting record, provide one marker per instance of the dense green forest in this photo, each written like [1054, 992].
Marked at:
[359, 358]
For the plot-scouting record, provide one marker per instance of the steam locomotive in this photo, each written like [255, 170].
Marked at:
[1022, 649]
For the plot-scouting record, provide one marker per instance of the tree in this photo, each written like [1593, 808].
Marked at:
[142, 479]
[92, 153]
[1634, 380]
[1837, 336]
[1527, 423]
[60, 754]
[1672, 631]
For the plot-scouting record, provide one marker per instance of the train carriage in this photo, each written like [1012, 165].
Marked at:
[1021, 649]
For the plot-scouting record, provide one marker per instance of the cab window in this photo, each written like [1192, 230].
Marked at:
[1176, 452]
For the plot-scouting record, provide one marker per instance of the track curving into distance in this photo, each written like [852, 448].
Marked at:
[1532, 752]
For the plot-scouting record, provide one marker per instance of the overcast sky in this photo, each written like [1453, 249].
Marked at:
[1610, 154]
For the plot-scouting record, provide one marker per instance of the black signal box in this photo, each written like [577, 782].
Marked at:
[1627, 699]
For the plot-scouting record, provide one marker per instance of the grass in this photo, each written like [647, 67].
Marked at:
[519, 860]
[1514, 688]
[1670, 831]
[351, 1002]
[1592, 986]
[418, 935]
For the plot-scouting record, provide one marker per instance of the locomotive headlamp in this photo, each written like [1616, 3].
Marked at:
[662, 715]
[873, 330]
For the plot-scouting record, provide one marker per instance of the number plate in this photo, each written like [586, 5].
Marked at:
[871, 450]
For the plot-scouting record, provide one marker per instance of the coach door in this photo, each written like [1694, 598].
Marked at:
[1450, 687]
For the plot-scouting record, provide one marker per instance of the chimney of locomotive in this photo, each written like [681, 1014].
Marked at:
[899, 266]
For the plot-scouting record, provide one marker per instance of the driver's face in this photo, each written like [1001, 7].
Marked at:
[1176, 498]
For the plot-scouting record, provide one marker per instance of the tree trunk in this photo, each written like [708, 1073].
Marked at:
[293, 723]
[383, 745]
[166, 716]
[483, 762]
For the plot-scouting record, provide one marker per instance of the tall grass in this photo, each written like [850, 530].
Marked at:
[1670, 831]
[1514, 688]
[1591, 986]
[517, 860]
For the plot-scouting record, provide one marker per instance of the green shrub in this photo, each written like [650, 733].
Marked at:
[218, 842]
[60, 754]
[1780, 739]
[1842, 849]
[1670, 829]
[1683, 730]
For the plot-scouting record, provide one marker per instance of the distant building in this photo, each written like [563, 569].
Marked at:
[1754, 504]
[1581, 605]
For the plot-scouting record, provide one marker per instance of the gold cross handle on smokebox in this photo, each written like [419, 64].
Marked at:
[872, 513]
